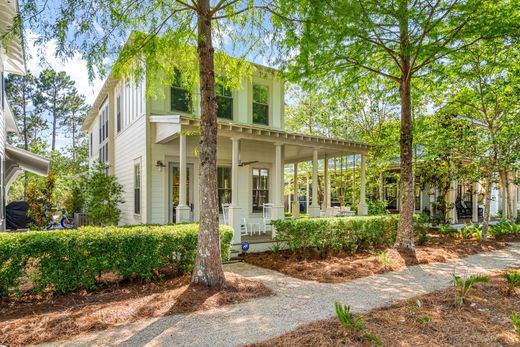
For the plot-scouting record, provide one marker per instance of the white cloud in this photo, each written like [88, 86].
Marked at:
[76, 67]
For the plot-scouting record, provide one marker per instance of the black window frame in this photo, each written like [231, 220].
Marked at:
[224, 98]
[224, 191]
[260, 105]
[259, 192]
[118, 113]
[177, 89]
[137, 188]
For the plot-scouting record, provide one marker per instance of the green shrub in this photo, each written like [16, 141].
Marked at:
[513, 280]
[66, 260]
[515, 319]
[326, 234]
[464, 285]
[376, 207]
[348, 320]
[504, 227]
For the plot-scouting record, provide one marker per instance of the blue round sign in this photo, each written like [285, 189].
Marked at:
[245, 246]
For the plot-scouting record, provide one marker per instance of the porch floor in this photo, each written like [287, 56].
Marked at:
[258, 238]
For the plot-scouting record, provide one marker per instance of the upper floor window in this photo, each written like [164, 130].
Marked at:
[91, 143]
[224, 185]
[103, 124]
[224, 101]
[118, 112]
[260, 189]
[180, 97]
[260, 104]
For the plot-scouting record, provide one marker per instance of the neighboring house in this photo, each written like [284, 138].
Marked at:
[467, 197]
[148, 147]
[12, 159]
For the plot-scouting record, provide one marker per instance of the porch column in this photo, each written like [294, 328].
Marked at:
[296, 198]
[362, 207]
[452, 198]
[182, 210]
[234, 209]
[278, 205]
[326, 182]
[474, 204]
[314, 209]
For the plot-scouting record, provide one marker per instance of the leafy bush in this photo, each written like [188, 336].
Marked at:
[326, 234]
[40, 199]
[513, 280]
[422, 227]
[464, 285]
[75, 199]
[504, 227]
[104, 194]
[67, 260]
[376, 207]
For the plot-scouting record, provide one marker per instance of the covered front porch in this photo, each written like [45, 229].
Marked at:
[256, 158]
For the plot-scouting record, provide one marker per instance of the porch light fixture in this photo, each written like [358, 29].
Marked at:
[159, 164]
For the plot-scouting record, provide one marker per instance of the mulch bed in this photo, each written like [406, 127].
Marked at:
[346, 267]
[37, 319]
[427, 320]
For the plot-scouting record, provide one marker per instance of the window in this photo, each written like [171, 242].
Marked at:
[137, 188]
[224, 101]
[91, 143]
[224, 186]
[260, 189]
[118, 112]
[260, 104]
[103, 124]
[180, 98]
[103, 153]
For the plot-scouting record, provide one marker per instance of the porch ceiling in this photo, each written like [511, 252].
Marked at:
[299, 147]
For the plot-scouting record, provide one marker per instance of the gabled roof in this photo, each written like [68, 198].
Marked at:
[15, 62]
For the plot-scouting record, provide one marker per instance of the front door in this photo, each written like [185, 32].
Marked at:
[174, 172]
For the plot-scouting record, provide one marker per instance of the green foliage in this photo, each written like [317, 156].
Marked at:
[464, 285]
[67, 260]
[348, 320]
[75, 200]
[469, 231]
[376, 207]
[104, 194]
[334, 234]
[504, 227]
[515, 320]
[513, 280]
[422, 227]
[40, 198]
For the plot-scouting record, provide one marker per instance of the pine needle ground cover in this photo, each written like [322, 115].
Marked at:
[485, 319]
[343, 266]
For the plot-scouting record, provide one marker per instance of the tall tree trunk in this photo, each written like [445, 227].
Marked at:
[405, 235]
[208, 265]
[487, 207]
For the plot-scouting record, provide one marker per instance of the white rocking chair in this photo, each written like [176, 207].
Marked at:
[267, 218]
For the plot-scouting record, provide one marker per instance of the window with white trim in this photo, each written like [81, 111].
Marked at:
[260, 188]
[137, 187]
[260, 104]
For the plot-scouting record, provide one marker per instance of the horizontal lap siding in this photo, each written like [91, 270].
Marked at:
[160, 190]
[130, 144]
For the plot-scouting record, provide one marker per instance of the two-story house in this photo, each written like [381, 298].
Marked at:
[13, 160]
[151, 145]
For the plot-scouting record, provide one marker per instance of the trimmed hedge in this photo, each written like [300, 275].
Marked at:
[349, 234]
[67, 260]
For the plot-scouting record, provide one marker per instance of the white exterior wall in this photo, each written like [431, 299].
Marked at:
[264, 152]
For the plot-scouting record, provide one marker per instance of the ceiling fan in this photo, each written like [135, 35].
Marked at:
[244, 163]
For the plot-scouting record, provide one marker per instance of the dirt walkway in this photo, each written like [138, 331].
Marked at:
[296, 302]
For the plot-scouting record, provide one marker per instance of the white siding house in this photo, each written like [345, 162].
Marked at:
[154, 156]
[12, 159]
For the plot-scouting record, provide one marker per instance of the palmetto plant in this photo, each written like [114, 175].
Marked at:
[515, 319]
[465, 283]
[513, 280]
[348, 320]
